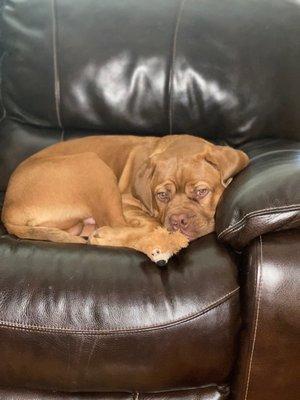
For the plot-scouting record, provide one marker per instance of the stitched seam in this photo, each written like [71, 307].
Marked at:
[259, 212]
[20, 326]
[251, 329]
[176, 390]
[55, 68]
[194, 389]
[3, 116]
[273, 210]
[259, 271]
[126, 330]
[173, 57]
[274, 152]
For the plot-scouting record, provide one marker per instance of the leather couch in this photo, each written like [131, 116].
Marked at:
[222, 320]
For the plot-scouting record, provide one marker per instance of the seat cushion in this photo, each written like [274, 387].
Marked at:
[84, 318]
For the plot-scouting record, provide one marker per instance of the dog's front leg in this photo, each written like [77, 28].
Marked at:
[158, 244]
[118, 236]
[143, 233]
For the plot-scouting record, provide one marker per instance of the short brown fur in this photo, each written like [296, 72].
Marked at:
[110, 187]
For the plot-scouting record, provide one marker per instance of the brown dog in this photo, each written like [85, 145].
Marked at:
[128, 185]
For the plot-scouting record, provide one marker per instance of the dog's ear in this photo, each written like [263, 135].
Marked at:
[142, 185]
[228, 161]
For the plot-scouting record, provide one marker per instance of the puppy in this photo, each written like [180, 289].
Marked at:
[117, 189]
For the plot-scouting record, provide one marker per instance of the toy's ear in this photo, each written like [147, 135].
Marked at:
[228, 161]
[142, 185]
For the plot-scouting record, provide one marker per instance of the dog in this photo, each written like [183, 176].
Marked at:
[113, 190]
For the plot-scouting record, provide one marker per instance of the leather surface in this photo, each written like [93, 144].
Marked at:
[20, 141]
[100, 319]
[204, 393]
[3, 231]
[262, 147]
[225, 70]
[2, 114]
[171, 66]
[122, 79]
[265, 197]
[268, 366]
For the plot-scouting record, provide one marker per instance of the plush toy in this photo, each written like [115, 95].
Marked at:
[159, 244]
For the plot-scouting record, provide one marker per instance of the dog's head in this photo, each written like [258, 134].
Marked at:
[182, 181]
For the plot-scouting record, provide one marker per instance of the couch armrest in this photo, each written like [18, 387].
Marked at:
[265, 197]
[268, 364]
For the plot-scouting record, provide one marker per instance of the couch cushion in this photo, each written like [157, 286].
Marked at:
[83, 318]
[170, 67]
[265, 196]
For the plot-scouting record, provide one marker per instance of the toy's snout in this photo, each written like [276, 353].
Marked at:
[160, 258]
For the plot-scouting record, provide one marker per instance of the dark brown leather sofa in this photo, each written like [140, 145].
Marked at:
[222, 320]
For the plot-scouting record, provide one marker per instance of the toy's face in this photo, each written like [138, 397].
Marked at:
[186, 181]
[160, 245]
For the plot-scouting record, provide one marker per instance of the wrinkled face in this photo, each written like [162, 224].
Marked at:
[182, 181]
[186, 193]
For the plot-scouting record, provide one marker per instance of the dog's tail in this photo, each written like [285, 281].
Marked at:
[42, 233]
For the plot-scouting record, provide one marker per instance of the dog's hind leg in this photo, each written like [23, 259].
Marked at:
[51, 234]
[56, 198]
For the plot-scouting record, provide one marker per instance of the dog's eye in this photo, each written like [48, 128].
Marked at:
[201, 192]
[163, 196]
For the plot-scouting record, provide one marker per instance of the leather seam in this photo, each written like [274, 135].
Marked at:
[173, 57]
[55, 68]
[241, 223]
[3, 116]
[251, 328]
[57, 329]
[274, 152]
[257, 311]
[163, 392]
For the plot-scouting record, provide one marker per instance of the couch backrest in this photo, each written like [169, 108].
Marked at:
[224, 69]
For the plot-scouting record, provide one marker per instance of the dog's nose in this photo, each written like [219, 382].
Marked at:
[179, 221]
